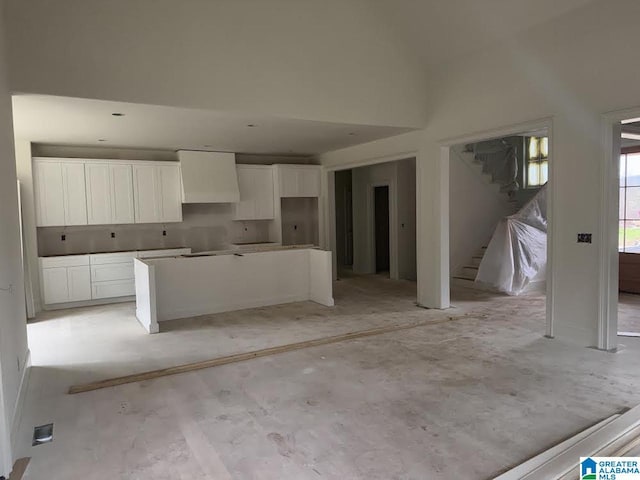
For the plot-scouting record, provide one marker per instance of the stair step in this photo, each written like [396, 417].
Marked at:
[469, 271]
[476, 260]
[465, 276]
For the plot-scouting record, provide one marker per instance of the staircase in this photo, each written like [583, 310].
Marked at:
[496, 163]
[466, 276]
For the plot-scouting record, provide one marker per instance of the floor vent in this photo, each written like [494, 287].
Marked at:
[42, 434]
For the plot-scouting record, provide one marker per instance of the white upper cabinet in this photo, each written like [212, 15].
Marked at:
[121, 177]
[299, 180]
[256, 193]
[109, 193]
[170, 193]
[157, 193]
[146, 191]
[59, 193]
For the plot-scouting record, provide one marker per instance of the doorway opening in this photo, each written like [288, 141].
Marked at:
[373, 220]
[498, 223]
[381, 228]
[629, 230]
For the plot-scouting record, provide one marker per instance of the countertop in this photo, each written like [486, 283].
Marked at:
[117, 251]
[237, 252]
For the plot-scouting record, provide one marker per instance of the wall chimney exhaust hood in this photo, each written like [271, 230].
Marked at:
[208, 177]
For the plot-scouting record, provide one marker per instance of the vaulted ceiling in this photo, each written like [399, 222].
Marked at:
[440, 31]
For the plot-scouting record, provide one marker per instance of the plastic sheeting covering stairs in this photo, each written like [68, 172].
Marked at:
[616, 436]
[517, 252]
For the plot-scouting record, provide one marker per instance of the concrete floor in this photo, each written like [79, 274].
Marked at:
[465, 399]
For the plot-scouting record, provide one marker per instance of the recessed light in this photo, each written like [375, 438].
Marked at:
[118, 114]
[251, 125]
[102, 139]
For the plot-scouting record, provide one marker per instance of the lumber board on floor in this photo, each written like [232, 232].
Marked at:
[19, 468]
[241, 357]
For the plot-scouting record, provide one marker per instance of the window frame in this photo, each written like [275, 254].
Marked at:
[622, 246]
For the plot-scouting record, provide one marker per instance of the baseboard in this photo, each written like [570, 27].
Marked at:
[89, 303]
[20, 400]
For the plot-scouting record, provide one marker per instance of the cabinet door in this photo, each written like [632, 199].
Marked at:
[171, 193]
[79, 283]
[55, 287]
[75, 196]
[245, 209]
[99, 198]
[288, 182]
[308, 182]
[263, 188]
[146, 194]
[49, 196]
[121, 194]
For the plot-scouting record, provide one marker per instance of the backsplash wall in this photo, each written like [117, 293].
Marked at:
[204, 227]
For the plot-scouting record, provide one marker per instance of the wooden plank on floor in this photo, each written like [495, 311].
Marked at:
[241, 357]
[19, 468]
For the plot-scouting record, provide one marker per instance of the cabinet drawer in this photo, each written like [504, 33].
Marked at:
[64, 261]
[113, 289]
[108, 272]
[107, 258]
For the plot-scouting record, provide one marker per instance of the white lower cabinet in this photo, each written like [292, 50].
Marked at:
[113, 289]
[78, 278]
[79, 281]
[56, 289]
[66, 279]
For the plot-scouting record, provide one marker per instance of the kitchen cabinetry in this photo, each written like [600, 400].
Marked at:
[299, 180]
[59, 193]
[256, 193]
[157, 193]
[77, 278]
[109, 193]
[65, 279]
[106, 192]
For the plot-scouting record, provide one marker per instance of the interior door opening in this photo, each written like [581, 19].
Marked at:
[381, 228]
[629, 230]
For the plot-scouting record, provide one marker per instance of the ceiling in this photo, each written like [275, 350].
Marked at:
[73, 121]
[631, 127]
[441, 31]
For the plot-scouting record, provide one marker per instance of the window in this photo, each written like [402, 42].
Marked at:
[537, 161]
[629, 216]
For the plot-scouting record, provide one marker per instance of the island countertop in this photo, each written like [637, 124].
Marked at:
[239, 251]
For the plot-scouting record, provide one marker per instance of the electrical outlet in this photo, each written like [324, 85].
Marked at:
[113, 234]
[164, 233]
[584, 238]
[63, 237]
[295, 227]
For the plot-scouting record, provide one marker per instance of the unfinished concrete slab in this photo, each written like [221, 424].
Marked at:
[466, 399]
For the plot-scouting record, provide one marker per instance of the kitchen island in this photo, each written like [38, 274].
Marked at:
[199, 284]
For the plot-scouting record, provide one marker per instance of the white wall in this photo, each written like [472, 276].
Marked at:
[407, 219]
[572, 70]
[13, 332]
[297, 58]
[24, 169]
[475, 208]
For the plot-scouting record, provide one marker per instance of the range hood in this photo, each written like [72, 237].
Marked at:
[208, 177]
